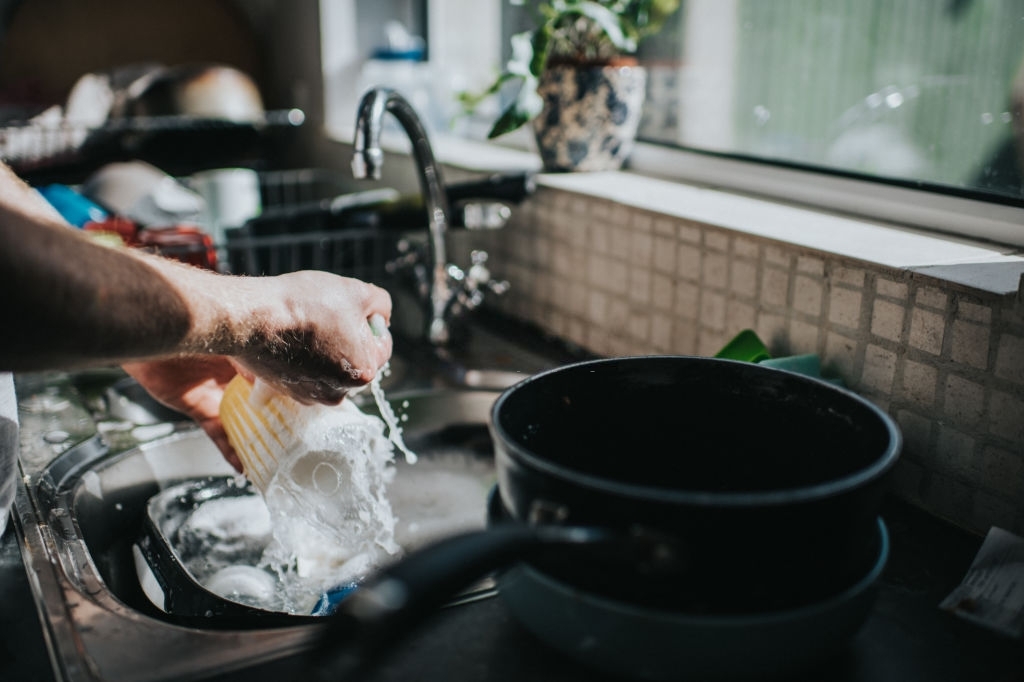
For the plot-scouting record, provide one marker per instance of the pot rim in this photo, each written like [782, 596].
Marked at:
[681, 496]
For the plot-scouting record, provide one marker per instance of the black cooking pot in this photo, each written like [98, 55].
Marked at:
[764, 483]
[682, 484]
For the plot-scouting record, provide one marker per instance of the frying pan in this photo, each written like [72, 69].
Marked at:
[681, 484]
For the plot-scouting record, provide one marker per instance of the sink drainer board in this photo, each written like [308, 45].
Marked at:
[83, 515]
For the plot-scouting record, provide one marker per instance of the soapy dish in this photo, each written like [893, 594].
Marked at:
[195, 567]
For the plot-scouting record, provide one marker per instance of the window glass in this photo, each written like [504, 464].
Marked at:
[923, 93]
[913, 91]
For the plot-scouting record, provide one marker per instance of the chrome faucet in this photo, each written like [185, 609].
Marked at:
[448, 290]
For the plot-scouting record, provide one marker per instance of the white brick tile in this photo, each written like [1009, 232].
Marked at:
[743, 278]
[640, 286]
[710, 341]
[891, 289]
[840, 355]
[620, 213]
[973, 312]
[661, 333]
[617, 313]
[926, 331]
[639, 326]
[887, 320]
[1010, 358]
[771, 328]
[807, 295]
[844, 307]
[597, 308]
[715, 270]
[716, 240]
[775, 287]
[810, 265]
[622, 345]
[687, 300]
[919, 382]
[739, 315]
[712, 310]
[576, 300]
[1006, 416]
[803, 337]
[931, 297]
[954, 452]
[745, 248]
[641, 221]
[617, 277]
[620, 242]
[970, 343]
[665, 254]
[641, 250]
[777, 256]
[853, 277]
[577, 331]
[599, 340]
[688, 232]
[665, 227]
[688, 262]
[964, 400]
[684, 337]
[879, 369]
[916, 429]
[1002, 471]
[562, 259]
[662, 288]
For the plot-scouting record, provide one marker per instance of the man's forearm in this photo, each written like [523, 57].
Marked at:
[69, 301]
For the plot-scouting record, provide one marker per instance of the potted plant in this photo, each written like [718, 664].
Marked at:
[580, 83]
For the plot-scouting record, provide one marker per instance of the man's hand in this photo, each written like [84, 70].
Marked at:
[316, 343]
[192, 385]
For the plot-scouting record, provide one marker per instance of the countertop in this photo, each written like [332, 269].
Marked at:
[907, 638]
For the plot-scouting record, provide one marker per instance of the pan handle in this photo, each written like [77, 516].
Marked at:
[397, 599]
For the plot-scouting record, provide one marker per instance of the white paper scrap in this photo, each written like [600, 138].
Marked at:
[992, 592]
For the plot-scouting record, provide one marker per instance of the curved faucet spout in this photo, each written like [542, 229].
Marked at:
[366, 163]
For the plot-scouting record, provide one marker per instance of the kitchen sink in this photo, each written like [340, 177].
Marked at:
[95, 449]
[81, 517]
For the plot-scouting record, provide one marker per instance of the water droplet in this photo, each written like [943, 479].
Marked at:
[987, 118]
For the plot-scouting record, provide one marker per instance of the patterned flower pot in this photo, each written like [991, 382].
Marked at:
[590, 116]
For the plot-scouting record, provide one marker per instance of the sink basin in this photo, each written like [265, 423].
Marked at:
[92, 503]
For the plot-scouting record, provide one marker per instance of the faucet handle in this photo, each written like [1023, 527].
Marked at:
[479, 275]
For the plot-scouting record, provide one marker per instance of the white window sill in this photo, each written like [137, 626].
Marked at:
[982, 266]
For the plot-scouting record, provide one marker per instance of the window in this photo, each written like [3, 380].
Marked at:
[903, 110]
[913, 91]
[914, 94]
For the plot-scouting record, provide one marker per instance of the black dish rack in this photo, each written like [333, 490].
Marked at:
[283, 240]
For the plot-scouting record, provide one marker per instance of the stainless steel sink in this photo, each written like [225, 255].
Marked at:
[81, 515]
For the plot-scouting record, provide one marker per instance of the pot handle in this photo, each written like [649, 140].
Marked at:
[398, 598]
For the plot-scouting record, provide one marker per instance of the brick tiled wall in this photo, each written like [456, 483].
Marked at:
[945, 360]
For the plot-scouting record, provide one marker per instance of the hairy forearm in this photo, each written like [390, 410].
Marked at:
[69, 301]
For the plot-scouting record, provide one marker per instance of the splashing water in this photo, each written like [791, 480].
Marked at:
[388, 414]
[325, 489]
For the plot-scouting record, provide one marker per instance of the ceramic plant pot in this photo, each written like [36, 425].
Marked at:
[590, 116]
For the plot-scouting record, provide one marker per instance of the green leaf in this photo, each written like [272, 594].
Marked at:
[609, 22]
[525, 107]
